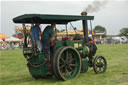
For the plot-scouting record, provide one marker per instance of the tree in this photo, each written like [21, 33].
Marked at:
[56, 30]
[75, 28]
[100, 29]
[124, 32]
[62, 30]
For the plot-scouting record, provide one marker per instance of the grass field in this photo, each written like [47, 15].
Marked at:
[13, 69]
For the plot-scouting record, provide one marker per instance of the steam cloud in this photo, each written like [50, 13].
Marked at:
[95, 6]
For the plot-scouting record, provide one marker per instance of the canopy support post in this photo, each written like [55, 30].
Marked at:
[24, 31]
[73, 28]
[91, 29]
[66, 30]
[24, 28]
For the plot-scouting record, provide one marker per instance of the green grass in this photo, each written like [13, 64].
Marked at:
[13, 69]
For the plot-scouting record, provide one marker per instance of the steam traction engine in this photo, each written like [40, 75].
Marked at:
[68, 57]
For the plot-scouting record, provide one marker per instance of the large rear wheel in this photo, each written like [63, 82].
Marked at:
[67, 63]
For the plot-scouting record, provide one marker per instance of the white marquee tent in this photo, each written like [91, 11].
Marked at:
[13, 39]
[1, 40]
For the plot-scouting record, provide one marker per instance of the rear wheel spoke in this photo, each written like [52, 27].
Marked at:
[68, 72]
[62, 60]
[67, 55]
[70, 68]
[71, 60]
[72, 65]
[62, 66]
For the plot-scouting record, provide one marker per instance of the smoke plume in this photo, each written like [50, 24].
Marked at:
[95, 6]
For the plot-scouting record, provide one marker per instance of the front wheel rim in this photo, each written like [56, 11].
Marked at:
[100, 64]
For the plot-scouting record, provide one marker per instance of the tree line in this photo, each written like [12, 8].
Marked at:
[101, 29]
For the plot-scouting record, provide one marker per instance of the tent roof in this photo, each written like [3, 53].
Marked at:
[13, 39]
[48, 19]
[3, 36]
[1, 40]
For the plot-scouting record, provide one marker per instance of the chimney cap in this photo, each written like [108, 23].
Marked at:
[84, 13]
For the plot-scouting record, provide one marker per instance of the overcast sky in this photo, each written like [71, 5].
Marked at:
[113, 15]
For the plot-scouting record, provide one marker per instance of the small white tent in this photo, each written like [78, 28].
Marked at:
[13, 39]
[1, 40]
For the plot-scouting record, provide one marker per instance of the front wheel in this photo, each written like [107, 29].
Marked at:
[99, 64]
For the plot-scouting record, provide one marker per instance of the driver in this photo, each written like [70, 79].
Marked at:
[47, 38]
